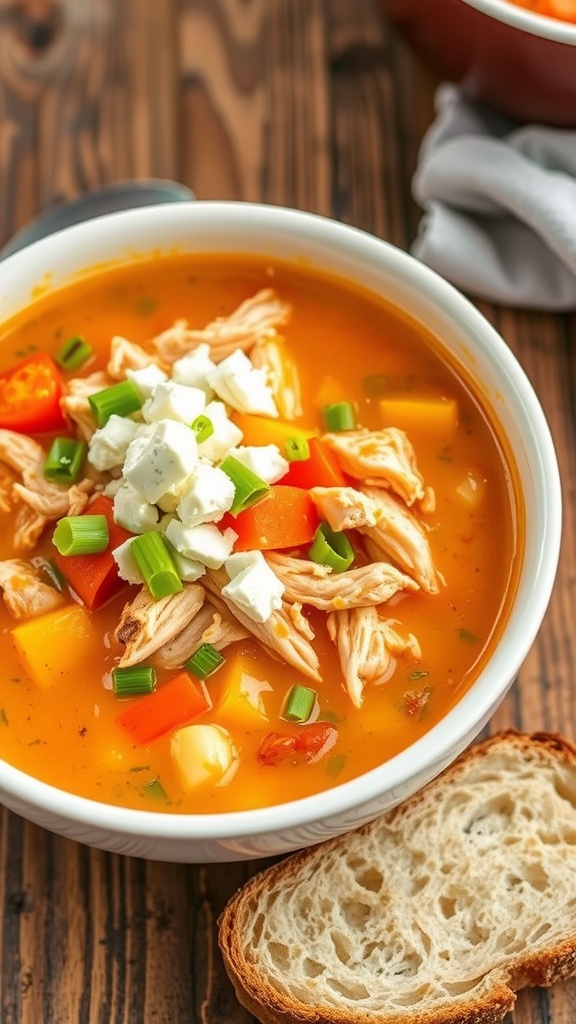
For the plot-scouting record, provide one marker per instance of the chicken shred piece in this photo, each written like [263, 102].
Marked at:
[399, 535]
[270, 355]
[7, 480]
[146, 624]
[253, 321]
[25, 593]
[46, 500]
[279, 633]
[126, 355]
[300, 620]
[316, 585]
[345, 508]
[75, 403]
[207, 627]
[367, 648]
[381, 457]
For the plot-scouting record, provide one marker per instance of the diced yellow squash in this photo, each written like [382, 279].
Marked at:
[430, 415]
[202, 753]
[241, 691]
[55, 648]
[264, 430]
[470, 490]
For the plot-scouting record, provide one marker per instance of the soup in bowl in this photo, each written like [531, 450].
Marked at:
[281, 519]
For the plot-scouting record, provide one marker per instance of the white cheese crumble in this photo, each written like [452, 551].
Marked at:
[264, 460]
[108, 445]
[253, 586]
[204, 543]
[170, 401]
[161, 458]
[208, 495]
[242, 385]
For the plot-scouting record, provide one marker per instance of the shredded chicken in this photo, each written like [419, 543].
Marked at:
[280, 633]
[399, 535]
[25, 592]
[345, 508]
[316, 585]
[75, 403]
[126, 355]
[367, 646]
[146, 624]
[254, 321]
[381, 457]
[283, 377]
[47, 501]
[207, 627]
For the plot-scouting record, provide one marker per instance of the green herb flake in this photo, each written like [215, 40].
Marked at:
[140, 768]
[155, 790]
[3, 717]
[465, 634]
[418, 674]
[146, 305]
[375, 384]
[34, 743]
[335, 765]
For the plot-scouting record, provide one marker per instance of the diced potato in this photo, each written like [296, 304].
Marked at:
[202, 753]
[242, 688]
[55, 648]
[263, 430]
[471, 490]
[432, 415]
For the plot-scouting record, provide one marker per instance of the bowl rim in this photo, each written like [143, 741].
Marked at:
[467, 716]
[521, 18]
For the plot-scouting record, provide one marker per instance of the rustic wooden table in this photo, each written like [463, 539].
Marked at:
[309, 103]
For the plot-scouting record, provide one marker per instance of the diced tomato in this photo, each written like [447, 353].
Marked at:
[30, 396]
[307, 745]
[320, 470]
[94, 578]
[285, 518]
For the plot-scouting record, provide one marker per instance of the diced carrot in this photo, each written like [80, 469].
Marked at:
[425, 415]
[182, 699]
[263, 430]
[55, 648]
[94, 578]
[320, 470]
[285, 517]
[308, 744]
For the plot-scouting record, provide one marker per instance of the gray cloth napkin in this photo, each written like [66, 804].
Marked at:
[500, 205]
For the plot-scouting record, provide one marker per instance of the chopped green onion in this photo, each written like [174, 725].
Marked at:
[122, 399]
[64, 460]
[331, 548]
[81, 535]
[74, 353]
[203, 428]
[129, 682]
[156, 564]
[204, 661]
[340, 416]
[297, 449]
[299, 704]
[249, 488]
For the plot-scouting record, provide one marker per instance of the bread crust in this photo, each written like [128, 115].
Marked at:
[541, 967]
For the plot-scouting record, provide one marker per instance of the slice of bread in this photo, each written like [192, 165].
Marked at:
[436, 913]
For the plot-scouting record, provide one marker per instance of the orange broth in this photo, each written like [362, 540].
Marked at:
[67, 734]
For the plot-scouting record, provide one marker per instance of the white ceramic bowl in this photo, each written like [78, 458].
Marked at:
[230, 227]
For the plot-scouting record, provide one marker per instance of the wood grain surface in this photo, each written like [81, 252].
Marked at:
[313, 104]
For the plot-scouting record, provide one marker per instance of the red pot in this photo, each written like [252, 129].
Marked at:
[514, 61]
